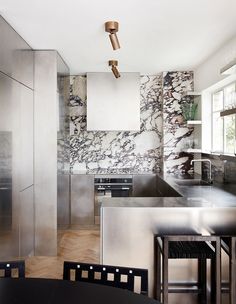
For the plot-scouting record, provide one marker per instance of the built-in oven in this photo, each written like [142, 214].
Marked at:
[110, 186]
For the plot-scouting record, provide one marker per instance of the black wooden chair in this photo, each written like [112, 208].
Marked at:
[116, 276]
[12, 269]
[196, 247]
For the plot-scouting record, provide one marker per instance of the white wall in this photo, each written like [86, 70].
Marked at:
[208, 73]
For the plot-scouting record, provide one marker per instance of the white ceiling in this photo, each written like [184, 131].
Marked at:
[155, 35]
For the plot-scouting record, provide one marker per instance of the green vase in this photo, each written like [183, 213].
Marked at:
[189, 110]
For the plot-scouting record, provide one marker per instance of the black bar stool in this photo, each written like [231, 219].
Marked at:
[228, 244]
[188, 246]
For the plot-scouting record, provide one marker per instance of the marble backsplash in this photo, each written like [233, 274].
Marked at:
[158, 144]
[117, 152]
[223, 168]
[175, 132]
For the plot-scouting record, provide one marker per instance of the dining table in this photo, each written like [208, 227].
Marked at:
[54, 291]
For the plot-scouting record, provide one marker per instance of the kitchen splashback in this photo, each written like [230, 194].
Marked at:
[160, 139]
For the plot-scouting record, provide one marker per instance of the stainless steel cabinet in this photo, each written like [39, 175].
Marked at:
[82, 199]
[16, 161]
[16, 56]
[63, 201]
[16, 125]
[145, 185]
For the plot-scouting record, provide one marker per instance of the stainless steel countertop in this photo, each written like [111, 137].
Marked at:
[215, 195]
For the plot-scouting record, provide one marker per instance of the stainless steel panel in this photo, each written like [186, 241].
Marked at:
[128, 234]
[26, 222]
[25, 133]
[63, 201]
[144, 185]
[45, 147]
[82, 199]
[164, 189]
[16, 158]
[16, 127]
[16, 56]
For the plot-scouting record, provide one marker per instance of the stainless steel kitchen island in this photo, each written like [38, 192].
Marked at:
[128, 226]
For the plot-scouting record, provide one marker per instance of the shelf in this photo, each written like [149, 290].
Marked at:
[194, 122]
[228, 112]
[192, 93]
[193, 150]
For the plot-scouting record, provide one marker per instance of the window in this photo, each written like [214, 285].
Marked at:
[224, 128]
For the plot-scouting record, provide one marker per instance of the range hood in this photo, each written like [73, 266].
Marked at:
[113, 104]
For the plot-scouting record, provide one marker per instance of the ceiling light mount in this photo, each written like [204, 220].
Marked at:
[114, 64]
[112, 27]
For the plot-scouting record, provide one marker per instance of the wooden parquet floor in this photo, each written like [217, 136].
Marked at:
[73, 245]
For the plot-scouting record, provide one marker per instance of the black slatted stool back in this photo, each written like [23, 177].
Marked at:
[116, 276]
[10, 268]
[189, 246]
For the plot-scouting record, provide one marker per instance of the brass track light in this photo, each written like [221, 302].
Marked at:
[112, 27]
[114, 64]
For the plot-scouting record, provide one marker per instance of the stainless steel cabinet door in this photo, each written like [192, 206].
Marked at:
[63, 201]
[82, 199]
[26, 222]
[25, 130]
[16, 153]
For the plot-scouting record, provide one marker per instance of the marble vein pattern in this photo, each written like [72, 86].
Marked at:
[117, 152]
[176, 133]
[63, 128]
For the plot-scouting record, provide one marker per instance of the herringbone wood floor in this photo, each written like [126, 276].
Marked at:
[73, 245]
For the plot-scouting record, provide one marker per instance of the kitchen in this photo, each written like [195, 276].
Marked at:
[85, 152]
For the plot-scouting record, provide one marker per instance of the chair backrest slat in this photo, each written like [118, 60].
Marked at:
[11, 265]
[116, 276]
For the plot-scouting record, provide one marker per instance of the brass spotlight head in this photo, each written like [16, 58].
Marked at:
[114, 64]
[112, 27]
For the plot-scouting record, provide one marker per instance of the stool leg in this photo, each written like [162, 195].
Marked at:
[165, 271]
[218, 271]
[202, 281]
[232, 269]
[158, 272]
[213, 280]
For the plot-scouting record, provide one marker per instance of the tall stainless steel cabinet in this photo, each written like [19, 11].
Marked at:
[82, 199]
[16, 166]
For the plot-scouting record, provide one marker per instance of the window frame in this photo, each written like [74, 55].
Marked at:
[222, 89]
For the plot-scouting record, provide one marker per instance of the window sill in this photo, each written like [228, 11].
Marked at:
[221, 156]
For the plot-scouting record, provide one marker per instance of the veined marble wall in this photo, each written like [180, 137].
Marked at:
[223, 168]
[161, 138]
[117, 152]
[176, 134]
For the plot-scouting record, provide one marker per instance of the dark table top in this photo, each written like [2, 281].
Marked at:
[49, 291]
